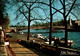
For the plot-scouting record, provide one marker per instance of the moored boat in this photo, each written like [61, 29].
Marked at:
[60, 42]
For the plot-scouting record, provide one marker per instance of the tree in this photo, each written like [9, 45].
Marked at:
[6, 22]
[2, 5]
[50, 36]
[65, 18]
[3, 20]
[25, 9]
[65, 14]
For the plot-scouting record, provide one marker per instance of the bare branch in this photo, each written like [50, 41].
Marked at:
[54, 12]
[57, 11]
[25, 5]
[52, 1]
[61, 2]
[23, 14]
[39, 2]
[17, 16]
[22, 21]
[74, 15]
[39, 19]
[52, 7]
[21, 11]
[35, 1]
[71, 8]
[47, 5]
[36, 7]
[39, 8]
[37, 14]
[19, 7]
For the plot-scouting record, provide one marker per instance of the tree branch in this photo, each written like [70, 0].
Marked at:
[47, 5]
[57, 11]
[25, 5]
[35, 1]
[74, 15]
[71, 8]
[36, 19]
[61, 2]
[40, 8]
[37, 14]
[23, 14]
[22, 21]
[52, 1]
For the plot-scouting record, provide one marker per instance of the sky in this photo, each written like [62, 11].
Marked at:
[56, 17]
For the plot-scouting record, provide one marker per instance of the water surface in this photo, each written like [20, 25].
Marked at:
[75, 36]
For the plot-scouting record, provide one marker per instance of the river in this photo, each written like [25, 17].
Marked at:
[75, 36]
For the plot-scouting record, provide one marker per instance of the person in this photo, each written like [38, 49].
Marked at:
[18, 41]
[54, 38]
[56, 42]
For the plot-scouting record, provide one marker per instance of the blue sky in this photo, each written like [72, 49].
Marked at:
[56, 17]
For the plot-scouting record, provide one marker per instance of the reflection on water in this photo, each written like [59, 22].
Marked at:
[75, 36]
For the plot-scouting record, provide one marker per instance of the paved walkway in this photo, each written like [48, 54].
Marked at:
[19, 50]
[3, 50]
[15, 49]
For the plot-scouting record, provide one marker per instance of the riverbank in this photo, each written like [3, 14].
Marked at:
[24, 42]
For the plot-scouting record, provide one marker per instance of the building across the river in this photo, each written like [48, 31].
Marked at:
[75, 24]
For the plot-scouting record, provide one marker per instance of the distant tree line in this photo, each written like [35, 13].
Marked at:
[18, 26]
[58, 23]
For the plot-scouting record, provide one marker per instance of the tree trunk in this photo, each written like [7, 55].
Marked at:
[28, 30]
[50, 35]
[64, 15]
[66, 32]
[28, 26]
